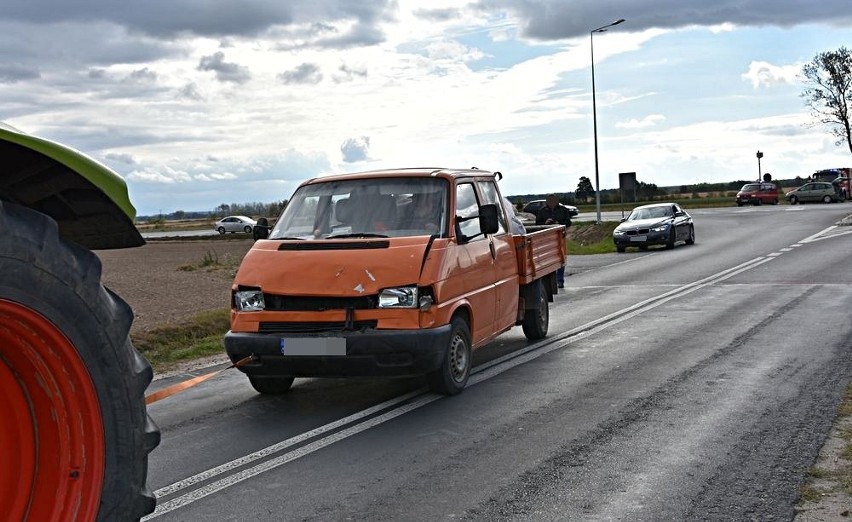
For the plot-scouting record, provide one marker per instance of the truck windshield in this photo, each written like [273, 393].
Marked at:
[365, 208]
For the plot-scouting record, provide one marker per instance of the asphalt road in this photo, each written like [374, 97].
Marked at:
[694, 383]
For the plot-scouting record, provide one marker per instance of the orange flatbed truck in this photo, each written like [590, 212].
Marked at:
[389, 273]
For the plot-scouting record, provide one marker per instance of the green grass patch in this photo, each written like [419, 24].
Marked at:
[810, 494]
[200, 336]
[588, 237]
[211, 261]
[840, 477]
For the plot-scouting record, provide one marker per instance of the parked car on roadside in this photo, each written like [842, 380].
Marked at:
[654, 224]
[535, 205]
[813, 191]
[234, 224]
[757, 194]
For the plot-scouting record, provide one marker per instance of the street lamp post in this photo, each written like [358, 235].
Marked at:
[595, 114]
[759, 173]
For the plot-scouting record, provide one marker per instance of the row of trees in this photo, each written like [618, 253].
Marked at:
[251, 209]
[234, 209]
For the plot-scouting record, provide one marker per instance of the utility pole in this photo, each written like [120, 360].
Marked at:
[759, 175]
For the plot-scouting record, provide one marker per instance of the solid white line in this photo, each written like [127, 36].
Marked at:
[818, 237]
[248, 473]
[269, 450]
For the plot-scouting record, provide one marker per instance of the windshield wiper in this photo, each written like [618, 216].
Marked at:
[288, 238]
[358, 235]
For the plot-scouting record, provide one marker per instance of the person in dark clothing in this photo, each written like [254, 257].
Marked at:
[552, 213]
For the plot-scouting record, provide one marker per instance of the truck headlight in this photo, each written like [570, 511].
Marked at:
[403, 297]
[249, 300]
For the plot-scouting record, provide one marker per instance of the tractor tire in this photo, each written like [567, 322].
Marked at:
[75, 433]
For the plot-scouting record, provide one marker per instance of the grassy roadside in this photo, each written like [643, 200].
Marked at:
[200, 336]
[828, 483]
[589, 238]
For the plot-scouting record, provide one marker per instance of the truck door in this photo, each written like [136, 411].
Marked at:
[477, 271]
[505, 262]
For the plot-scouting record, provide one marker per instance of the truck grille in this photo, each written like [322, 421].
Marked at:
[274, 327]
[287, 303]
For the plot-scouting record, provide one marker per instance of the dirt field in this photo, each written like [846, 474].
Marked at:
[166, 282]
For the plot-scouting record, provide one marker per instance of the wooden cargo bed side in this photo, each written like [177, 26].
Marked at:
[539, 253]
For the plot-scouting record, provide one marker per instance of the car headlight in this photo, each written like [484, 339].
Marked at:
[403, 297]
[249, 300]
[618, 232]
[661, 228]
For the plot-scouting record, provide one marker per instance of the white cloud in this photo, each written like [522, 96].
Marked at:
[763, 74]
[356, 149]
[164, 176]
[225, 71]
[120, 157]
[453, 51]
[644, 123]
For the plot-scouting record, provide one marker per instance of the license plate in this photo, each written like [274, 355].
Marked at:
[334, 346]
[637, 238]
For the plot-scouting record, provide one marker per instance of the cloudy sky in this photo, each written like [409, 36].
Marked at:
[196, 104]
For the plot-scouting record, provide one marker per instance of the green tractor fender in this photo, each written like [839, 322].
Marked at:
[87, 200]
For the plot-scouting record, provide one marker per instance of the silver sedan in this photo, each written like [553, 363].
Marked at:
[235, 224]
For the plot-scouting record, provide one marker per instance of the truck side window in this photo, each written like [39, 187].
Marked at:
[468, 206]
[490, 195]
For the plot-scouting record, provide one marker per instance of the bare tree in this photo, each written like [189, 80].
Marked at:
[829, 90]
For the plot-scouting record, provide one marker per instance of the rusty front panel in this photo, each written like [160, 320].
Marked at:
[540, 253]
[382, 318]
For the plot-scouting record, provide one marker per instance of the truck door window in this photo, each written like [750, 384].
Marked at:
[488, 189]
[468, 206]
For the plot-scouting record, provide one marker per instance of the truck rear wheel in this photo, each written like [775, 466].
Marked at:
[537, 320]
[451, 377]
[76, 435]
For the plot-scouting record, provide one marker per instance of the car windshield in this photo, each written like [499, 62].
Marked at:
[649, 213]
[751, 187]
[376, 207]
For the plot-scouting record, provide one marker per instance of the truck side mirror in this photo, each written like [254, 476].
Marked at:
[261, 229]
[488, 220]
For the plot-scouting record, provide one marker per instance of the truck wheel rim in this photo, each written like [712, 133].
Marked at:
[543, 315]
[54, 435]
[458, 358]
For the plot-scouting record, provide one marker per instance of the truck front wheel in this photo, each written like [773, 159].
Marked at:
[537, 320]
[451, 377]
[75, 435]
